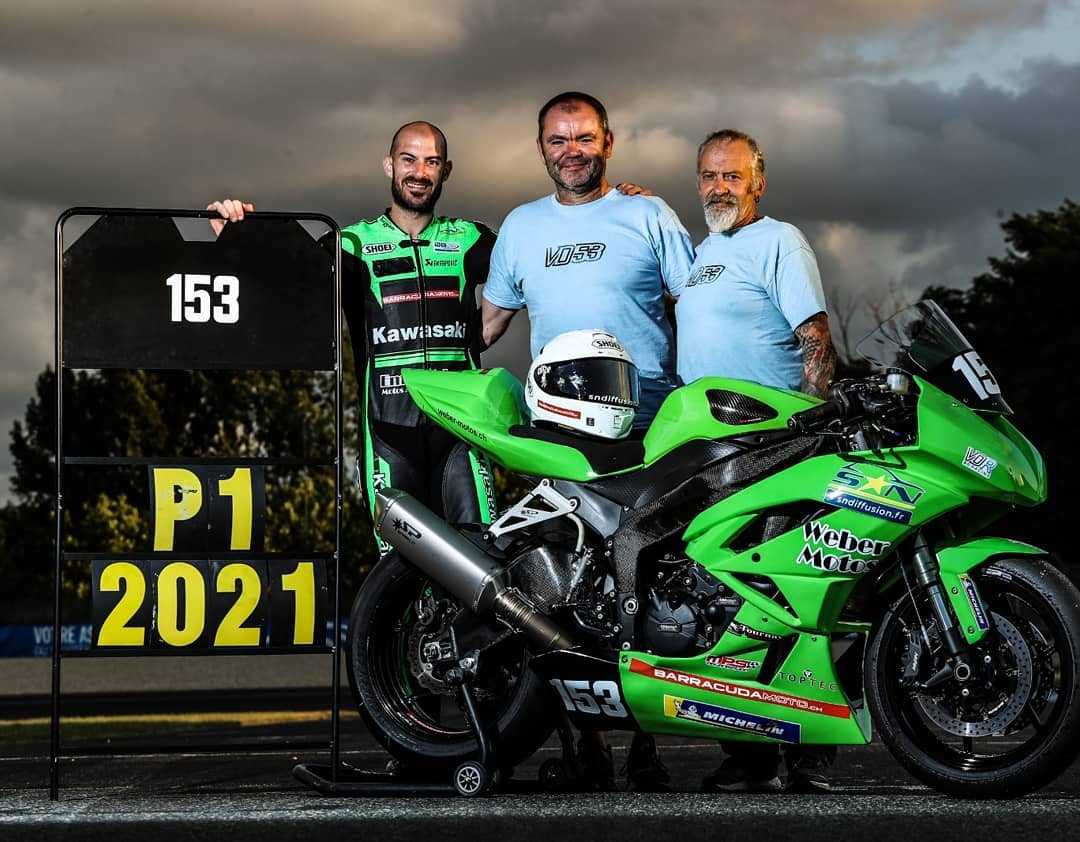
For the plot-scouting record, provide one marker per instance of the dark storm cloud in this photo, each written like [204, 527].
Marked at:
[915, 155]
[119, 102]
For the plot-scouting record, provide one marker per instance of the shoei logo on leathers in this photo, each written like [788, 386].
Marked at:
[573, 253]
[455, 330]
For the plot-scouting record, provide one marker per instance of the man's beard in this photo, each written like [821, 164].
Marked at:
[403, 200]
[721, 212]
[591, 176]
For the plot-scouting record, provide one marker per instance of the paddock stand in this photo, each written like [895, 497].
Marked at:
[471, 777]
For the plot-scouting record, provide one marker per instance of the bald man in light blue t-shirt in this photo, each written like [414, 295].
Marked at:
[590, 257]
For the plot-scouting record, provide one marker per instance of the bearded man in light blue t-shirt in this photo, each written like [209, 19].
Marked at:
[753, 306]
[588, 256]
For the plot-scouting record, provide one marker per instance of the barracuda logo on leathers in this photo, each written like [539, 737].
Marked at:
[453, 330]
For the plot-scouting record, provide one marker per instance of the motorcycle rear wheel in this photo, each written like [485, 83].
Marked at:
[423, 726]
[1019, 726]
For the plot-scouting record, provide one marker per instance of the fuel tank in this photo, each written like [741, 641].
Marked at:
[487, 409]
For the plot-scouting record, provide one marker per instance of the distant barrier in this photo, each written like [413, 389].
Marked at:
[34, 640]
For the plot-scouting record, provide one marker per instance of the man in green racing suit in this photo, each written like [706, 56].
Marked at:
[409, 282]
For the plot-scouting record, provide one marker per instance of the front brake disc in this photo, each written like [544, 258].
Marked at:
[944, 712]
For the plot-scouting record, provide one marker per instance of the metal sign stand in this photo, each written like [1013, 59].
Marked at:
[135, 292]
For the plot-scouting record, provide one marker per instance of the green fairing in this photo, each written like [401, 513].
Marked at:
[947, 429]
[481, 406]
[685, 414]
[935, 476]
[958, 560]
[805, 692]
[815, 566]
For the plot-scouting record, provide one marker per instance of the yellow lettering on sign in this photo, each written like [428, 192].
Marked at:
[178, 496]
[172, 628]
[230, 579]
[302, 583]
[115, 631]
[238, 487]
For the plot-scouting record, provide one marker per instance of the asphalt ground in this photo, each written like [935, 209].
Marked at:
[228, 774]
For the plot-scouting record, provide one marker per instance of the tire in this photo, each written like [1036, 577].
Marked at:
[554, 775]
[1019, 728]
[424, 728]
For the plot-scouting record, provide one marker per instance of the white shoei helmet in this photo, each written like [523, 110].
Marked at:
[584, 380]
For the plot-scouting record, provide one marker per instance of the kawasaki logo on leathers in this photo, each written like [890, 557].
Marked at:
[454, 330]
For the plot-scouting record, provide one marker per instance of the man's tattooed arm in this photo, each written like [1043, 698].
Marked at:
[819, 355]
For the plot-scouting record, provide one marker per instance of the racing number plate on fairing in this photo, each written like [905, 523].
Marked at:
[588, 688]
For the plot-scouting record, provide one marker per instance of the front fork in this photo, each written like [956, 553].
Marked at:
[926, 573]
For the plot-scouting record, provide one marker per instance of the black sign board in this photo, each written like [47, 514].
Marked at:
[137, 294]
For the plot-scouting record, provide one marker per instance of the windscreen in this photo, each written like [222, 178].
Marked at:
[922, 340]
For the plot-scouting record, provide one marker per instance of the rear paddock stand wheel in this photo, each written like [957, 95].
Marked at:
[472, 779]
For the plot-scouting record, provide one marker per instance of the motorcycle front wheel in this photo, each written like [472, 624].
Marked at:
[1015, 725]
[397, 651]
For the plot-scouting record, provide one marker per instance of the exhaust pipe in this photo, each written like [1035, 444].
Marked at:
[438, 550]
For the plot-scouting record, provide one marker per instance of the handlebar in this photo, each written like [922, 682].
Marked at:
[868, 398]
[818, 416]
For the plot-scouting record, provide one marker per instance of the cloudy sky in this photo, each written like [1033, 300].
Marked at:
[895, 132]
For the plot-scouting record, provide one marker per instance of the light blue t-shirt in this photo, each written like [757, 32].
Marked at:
[604, 265]
[747, 292]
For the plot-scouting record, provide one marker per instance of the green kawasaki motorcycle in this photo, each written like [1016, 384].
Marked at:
[727, 576]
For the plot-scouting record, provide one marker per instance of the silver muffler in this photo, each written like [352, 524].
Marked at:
[439, 551]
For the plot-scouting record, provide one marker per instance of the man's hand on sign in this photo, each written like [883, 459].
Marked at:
[231, 210]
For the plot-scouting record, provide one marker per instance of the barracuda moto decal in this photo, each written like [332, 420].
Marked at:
[883, 495]
[707, 714]
[726, 688]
